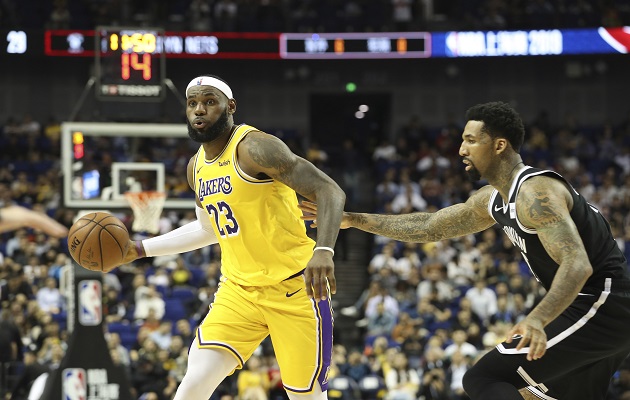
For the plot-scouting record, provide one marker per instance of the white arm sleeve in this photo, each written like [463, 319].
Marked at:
[194, 235]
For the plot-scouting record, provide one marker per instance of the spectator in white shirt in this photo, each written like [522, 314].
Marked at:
[390, 304]
[384, 259]
[49, 298]
[483, 300]
[149, 299]
[460, 345]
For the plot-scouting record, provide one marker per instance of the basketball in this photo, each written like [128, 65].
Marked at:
[98, 241]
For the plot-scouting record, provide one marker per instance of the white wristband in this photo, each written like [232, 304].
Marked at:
[325, 248]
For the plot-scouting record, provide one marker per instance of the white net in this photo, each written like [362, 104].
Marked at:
[147, 207]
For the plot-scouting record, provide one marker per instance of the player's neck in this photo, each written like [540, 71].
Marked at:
[506, 174]
[214, 147]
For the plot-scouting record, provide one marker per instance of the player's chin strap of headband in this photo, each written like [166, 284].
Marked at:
[210, 81]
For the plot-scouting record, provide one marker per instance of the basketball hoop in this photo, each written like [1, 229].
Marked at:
[147, 207]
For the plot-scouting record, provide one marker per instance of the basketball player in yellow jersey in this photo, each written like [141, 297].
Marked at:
[275, 280]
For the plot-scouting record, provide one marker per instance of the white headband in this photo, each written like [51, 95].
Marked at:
[210, 81]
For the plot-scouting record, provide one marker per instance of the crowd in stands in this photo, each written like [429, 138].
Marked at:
[316, 16]
[428, 312]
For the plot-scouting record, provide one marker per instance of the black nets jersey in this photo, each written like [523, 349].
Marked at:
[607, 260]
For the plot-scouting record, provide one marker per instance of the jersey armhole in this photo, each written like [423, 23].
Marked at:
[237, 167]
[493, 196]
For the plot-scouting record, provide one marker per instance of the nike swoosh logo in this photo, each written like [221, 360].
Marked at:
[291, 294]
[498, 209]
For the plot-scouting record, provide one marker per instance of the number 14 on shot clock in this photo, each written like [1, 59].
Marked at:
[129, 63]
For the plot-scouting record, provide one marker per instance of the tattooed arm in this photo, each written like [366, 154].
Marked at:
[261, 155]
[454, 221]
[544, 204]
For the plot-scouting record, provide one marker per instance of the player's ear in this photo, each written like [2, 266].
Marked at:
[231, 106]
[500, 145]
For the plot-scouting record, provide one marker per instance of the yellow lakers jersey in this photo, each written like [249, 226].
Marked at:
[263, 240]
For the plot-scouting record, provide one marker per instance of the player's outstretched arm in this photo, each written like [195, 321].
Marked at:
[194, 235]
[543, 204]
[15, 217]
[263, 155]
[454, 221]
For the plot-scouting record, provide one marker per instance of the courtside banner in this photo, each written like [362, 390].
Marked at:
[552, 42]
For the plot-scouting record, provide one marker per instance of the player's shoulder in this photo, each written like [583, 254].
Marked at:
[481, 196]
[542, 184]
[260, 141]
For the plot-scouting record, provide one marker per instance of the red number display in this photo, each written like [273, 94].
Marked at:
[131, 61]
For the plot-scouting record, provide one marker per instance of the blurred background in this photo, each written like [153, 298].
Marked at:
[373, 92]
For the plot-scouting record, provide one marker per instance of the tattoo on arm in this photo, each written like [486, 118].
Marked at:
[449, 222]
[544, 209]
[274, 159]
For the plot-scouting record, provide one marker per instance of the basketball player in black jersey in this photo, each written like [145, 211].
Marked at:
[572, 342]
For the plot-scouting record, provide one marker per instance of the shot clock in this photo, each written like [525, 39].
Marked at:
[130, 63]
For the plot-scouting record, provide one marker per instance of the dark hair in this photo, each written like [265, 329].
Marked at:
[499, 120]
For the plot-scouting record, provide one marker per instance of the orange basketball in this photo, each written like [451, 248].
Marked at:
[98, 241]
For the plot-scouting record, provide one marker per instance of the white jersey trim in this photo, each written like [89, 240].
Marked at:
[572, 329]
[539, 394]
[540, 387]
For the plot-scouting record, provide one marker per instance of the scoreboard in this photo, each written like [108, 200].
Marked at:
[128, 63]
[314, 46]
[355, 45]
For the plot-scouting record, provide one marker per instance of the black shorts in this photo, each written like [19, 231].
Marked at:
[585, 346]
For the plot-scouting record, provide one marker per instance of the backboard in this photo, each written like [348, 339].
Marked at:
[102, 161]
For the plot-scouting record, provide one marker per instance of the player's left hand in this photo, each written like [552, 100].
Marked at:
[533, 333]
[15, 217]
[319, 272]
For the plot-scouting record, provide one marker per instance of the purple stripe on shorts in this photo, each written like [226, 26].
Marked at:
[326, 344]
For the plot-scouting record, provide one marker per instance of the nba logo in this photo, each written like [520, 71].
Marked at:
[90, 303]
[73, 384]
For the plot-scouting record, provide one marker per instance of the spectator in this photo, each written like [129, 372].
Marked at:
[149, 299]
[49, 297]
[460, 345]
[382, 322]
[402, 382]
[183, 329]
[483, 300]
[114, 309]
[384, 259]
[434, 282]
[457, 368]
[387, 300]
[162, 336]
[356, 367]
[434, 385]
[253, 382]
[115, 346]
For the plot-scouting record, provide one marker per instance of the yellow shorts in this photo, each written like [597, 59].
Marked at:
[301, 329]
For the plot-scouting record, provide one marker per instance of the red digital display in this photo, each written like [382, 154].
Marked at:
[129, 65]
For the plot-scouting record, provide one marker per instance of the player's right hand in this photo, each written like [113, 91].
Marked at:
[132, 253]
[319, 272]
[311, 215]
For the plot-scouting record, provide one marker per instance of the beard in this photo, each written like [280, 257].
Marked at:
[211, 132]
[473, 174]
